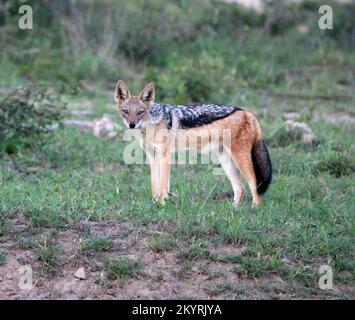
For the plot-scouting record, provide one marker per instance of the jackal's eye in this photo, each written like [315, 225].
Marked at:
[140, 112]
[125, 112]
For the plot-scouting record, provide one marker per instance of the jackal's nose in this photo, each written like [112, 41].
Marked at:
[132, 125]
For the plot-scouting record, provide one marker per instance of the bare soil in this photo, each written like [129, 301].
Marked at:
[163, 275]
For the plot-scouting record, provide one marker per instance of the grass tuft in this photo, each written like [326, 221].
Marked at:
[122, 268]
[48, 255]
[161, 243]
[197, 250]
[96, 244]
[2, 258]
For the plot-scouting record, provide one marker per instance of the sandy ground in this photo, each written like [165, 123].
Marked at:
[163, 275]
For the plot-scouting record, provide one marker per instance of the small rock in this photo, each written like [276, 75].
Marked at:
[303, 29]
[80, 273]
[302, 129]
[194, 269]
[101, 127]
[105, 128]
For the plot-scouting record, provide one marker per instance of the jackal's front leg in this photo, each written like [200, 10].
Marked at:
[154, 173]
[164, 178]
[154, 180]
[159, 173]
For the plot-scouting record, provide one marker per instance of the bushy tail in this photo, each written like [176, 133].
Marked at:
[262, 166]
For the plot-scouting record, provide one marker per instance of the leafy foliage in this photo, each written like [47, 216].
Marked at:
[27, 116]
[106, 40]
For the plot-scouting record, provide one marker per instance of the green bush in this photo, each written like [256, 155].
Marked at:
[194, 80]
[27, 116]
[106, 40]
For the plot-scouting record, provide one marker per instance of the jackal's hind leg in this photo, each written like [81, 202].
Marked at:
[242, 159]
[233, 175]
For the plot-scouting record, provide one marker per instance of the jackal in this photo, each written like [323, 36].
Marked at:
[165, 128]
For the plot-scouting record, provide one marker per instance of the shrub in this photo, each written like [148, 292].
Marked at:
[27, 116]
[193, 81]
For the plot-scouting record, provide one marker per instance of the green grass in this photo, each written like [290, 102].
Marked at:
[96, 244]
[234, 291]
[4, 228]
[197, 250]
[48, 255]
[122, 268]
[306, 218]
[2, 258]
[159, 243]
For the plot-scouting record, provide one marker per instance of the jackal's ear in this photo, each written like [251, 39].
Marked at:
[121, 93]
[148, 94]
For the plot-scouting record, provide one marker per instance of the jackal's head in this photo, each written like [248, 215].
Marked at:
[133, 109]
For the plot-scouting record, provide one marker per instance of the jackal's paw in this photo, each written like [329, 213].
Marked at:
[255, 205]
[156, 199]
[236, 204]
[163, 199]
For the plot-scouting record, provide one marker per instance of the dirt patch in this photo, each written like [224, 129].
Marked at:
[162, 275]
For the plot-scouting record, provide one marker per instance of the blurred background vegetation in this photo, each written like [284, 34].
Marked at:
[194, 50]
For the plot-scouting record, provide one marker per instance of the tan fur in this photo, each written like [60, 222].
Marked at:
[244, 130]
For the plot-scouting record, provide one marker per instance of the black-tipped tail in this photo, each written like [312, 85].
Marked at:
[262, 166]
